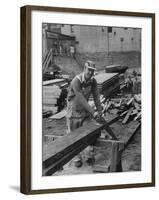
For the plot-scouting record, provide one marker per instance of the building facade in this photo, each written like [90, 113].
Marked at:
[104, 39]
[92, 39]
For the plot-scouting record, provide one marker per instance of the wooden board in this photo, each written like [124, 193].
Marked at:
[49, 98]
[126, 136]
[65, 158]
[54, 81]
[57, 149]
[114, 151]
[114, 157]
[52, 108]
[100, 168]
[51, 95]
[59, 115]
[49, 101]
[103, 77]
[127, 116]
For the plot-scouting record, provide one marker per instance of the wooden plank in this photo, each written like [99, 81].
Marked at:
[50, 89]
[127, 136]
[104, 77]
[127, 116]
[116, 165]
[100, 169]
[54, 81]
[137, 98]
[114, 120]
[57, 149]
[115, 157]
[138, 115]
[59, 115]
[49, 101]
[117, 150]
[53, 91]
[51, 95]
[109, 130]
[130, 101]
[134, 112]
[123, 113]
[107, 143]
[130, 135]
[52, 108]
[65, 158]
[60, 147]
[137, 106]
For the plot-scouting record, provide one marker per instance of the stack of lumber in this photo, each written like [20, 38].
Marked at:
[104, 80]
[107, 83]
[115, 69]
[50, 96]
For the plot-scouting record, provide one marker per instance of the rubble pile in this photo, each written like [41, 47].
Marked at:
[128, 106]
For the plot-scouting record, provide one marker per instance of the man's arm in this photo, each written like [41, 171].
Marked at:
[96, 96]
[79, 96]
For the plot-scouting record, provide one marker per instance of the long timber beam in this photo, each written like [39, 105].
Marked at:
[60, 151]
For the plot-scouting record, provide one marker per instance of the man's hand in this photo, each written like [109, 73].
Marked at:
[98, 117]
[95, 115]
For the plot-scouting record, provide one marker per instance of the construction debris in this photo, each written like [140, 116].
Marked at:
[127, 107]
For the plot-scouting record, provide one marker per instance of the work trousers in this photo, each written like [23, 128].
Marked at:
[72, 124]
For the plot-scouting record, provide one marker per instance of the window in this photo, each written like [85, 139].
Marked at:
[109, 29]
[122, 39]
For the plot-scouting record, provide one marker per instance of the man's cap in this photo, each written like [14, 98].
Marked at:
[90, 64]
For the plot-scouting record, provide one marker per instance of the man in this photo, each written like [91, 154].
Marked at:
[81, 87]
[72, 51]
[129, 84]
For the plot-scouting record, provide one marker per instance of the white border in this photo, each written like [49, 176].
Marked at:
[39, 182]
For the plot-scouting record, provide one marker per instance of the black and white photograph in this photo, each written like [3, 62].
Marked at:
[87, 118]
[91, 99]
